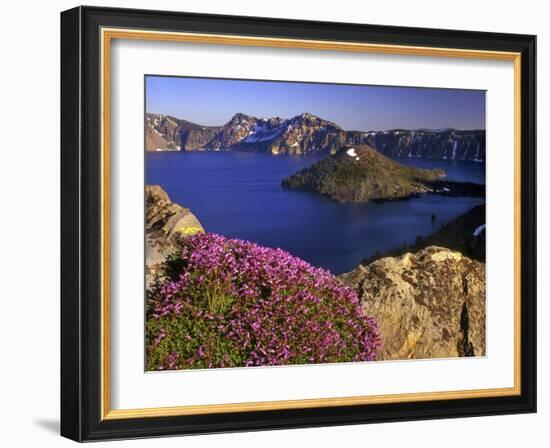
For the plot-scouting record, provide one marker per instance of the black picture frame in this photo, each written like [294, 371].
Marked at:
[81, 224]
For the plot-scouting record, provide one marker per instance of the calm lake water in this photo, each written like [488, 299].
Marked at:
[240, 195]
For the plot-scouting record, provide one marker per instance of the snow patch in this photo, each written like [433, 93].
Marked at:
[263, 133]
[479, 229]
[351, 152]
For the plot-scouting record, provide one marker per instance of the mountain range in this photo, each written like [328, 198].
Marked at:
[307, 133]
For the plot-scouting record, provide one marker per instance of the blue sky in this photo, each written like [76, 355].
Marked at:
[212, 102]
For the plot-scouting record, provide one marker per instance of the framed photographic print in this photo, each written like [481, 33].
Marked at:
[275, 224]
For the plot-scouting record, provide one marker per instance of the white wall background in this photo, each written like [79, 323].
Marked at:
[29, 223]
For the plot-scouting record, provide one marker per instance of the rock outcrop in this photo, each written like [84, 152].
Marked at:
[428, 304]
[165, 223]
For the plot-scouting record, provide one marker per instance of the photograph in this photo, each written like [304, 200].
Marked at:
[272, 223]
[291, 223]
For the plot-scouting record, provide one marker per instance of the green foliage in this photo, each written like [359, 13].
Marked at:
[226, 303]
[369, 176]
[191, 338]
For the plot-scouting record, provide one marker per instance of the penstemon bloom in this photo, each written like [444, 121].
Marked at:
[233, 303]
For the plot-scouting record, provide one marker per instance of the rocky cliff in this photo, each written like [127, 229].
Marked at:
[449, 144]
[196, 139]
[165, 223]
[428, 304]
[307, 133]
[167, 133]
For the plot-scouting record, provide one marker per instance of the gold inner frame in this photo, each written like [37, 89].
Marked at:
[107, 35]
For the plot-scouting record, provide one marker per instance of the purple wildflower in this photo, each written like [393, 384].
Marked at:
[273, 307]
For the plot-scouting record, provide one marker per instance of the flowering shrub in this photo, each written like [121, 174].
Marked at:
[229, 303]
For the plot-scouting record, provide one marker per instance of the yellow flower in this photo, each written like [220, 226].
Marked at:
[189, 230]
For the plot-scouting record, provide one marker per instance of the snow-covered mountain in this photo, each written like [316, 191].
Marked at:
[307, 133]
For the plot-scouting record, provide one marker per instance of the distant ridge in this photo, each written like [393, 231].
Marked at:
[308, 133]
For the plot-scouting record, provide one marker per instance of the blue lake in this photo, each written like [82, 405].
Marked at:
[239, 195]
[457, 170]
